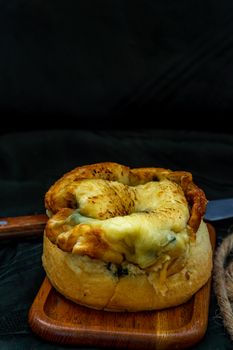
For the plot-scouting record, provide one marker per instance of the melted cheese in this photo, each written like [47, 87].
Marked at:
[153, 226]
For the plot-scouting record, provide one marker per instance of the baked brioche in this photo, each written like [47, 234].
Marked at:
[126, 239]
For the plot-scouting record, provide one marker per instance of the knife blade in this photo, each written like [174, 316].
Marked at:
[219, 209]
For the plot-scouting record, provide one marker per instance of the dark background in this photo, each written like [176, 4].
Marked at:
[140, 83]
[100, 64]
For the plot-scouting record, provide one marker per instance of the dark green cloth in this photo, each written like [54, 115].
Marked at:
[32, 161]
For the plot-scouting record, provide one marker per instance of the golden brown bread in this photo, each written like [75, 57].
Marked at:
[98, 285]
[61, 194]
[113, 229]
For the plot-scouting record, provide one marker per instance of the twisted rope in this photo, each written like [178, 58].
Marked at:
[223, 282]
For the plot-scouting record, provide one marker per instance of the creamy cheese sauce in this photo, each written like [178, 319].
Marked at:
[155, 224]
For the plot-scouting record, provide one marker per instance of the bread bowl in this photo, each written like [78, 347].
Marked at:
[126, 239]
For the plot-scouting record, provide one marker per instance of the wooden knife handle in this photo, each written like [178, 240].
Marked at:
[22, 226]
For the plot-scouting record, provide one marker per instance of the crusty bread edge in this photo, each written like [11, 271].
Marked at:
[96, 287]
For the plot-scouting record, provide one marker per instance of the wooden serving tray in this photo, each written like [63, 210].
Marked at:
[56, 319]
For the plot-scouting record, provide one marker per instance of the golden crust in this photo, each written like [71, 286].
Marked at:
[108, 235]
[152, 207]
[194, 195]
[62, 193]
[90, 282]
